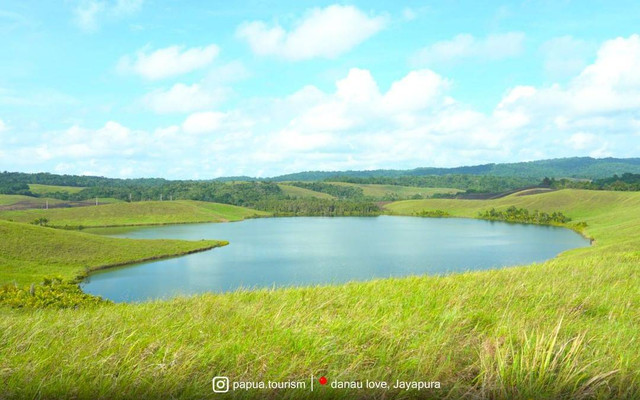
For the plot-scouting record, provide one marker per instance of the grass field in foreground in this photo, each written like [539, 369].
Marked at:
[46, 189]
[566, 328]
[137, 213]
[30, 253]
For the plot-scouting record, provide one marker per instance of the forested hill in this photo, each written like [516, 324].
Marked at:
[574, 167]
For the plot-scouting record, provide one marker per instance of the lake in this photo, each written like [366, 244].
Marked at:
[302, 251]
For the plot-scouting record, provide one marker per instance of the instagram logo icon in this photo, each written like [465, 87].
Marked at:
[220, 384]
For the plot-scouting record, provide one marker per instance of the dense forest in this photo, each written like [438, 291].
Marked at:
[46, 178]
[314, 206]
[624, 182]
[470, 183]
[573, 167]
[265, 196]
[513, 214]
[15, 188]
[350, 200]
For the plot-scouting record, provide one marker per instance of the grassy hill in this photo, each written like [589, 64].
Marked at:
[610, 216]
[137, 213]
[30, 253]
[563, 329]
[299, 192]
[46, 189]
[381, 191]
[10, 199]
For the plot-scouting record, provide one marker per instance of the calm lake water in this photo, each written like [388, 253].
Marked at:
[299, 251]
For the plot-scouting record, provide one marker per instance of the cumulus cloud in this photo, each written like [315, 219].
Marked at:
[211, 91]
[89, 13]
[169, 61]
[181, 98]
[465, 46]
[203, 122]
[361, 123]
[610, 85]
[321, 33]
[565, 56]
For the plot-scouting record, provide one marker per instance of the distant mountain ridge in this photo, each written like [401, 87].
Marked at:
[573, 167]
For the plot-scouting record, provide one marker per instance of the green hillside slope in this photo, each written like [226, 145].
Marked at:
[137, 213]
[29, 253]
[563, 329]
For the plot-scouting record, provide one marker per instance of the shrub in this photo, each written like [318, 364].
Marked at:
[432, 213]
[513, 214]
[52, 293]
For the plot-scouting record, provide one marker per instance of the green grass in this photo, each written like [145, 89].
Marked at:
[562, 329]
[10, 199]
[380, 191]
[299, 192]
[46, 189]
[30, 253]
[30, 202]
[136, 213]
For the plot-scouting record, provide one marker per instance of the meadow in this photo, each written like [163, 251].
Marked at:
[136, 213]
[11, 199]
[46, 189]
[566, 328]
[298, 192]
[29, 254]
[381, 191]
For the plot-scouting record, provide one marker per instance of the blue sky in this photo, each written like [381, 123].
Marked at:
[190, 89]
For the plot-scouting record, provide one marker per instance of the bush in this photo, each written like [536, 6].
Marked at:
[41, 221]
[432, 213]
[52, 293]
[513, 214]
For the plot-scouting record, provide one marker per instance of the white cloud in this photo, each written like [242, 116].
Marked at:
[465, 46]
[88, 13]
[212, 90]
[416, 91]
[181, 98]
[565, 56]
[3, 126]
[361, 123]
[321, 33]
[231, 72]
[409, 14]
[581, 140]
[203, 122]
[169, 61]
[610, 85]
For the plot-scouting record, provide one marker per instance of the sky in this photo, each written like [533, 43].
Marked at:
[197, 90]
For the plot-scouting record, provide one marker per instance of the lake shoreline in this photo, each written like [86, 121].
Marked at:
[262, 260]
[80, 278]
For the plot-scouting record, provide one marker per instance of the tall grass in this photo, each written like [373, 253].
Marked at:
[539, 365]
[563, 329]
[137, 213]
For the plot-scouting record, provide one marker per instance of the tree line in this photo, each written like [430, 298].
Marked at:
[625, 182]
[469, 183]
[513, 214]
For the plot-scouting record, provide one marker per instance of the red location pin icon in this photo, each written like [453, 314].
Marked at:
[323, 380]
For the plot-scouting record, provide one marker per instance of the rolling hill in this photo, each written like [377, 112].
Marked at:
[30, 253]
[137, 213]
